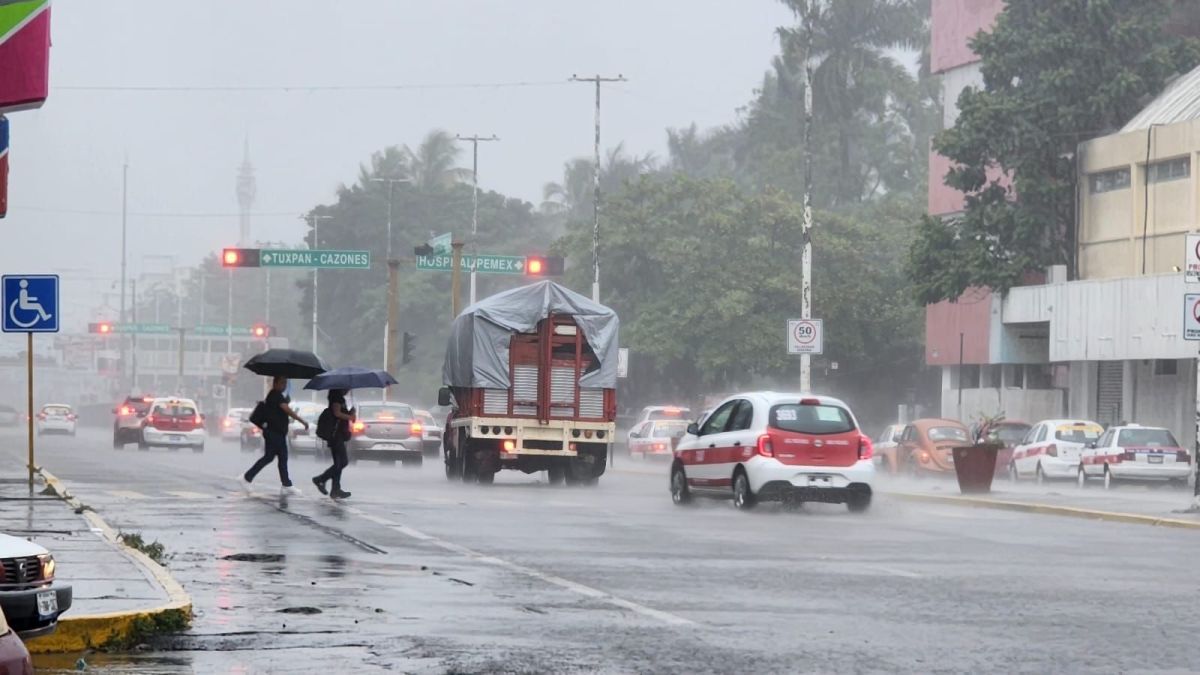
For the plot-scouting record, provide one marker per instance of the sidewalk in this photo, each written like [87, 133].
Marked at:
[1129, 502]
[120, 594]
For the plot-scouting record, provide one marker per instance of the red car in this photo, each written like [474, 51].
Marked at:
[14, 658]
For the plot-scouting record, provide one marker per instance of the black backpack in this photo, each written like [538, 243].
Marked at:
[326, 424]
[258, 417]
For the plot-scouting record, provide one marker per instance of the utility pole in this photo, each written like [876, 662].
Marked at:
[133, 336]
[124, 249]
[596, 183]
[475, 141]
[389, 332]
[229, 335]
[806, 227]
[456, 248]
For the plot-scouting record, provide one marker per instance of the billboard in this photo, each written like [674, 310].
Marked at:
[25, 53]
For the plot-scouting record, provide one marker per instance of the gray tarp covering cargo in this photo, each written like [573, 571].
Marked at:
[477, 353]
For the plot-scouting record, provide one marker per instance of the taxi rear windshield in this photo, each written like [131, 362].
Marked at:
[669, 414]
[1078, 433]
[811, 419]
[176, 411]
[669, 429]
[1146, 438]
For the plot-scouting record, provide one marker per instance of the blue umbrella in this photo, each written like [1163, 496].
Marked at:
[351, 378]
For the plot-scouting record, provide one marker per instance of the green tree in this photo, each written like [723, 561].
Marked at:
[1055, 74]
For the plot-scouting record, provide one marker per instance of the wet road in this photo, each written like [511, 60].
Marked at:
[416, 574]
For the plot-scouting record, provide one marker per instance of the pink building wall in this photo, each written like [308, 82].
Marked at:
[955, 22]
[971, 316]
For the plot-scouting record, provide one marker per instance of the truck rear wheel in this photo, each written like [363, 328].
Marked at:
[556, 474]
[452, 457]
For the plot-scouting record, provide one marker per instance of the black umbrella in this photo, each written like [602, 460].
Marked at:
[289, 363]
[351, 378]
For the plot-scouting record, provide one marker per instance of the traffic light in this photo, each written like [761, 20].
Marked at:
[262, 331]
[239, 257]
[543, 266]
[407, 344]
[102, 328]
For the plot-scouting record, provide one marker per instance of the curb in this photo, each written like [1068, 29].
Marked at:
[1046, 509]
[114, 629]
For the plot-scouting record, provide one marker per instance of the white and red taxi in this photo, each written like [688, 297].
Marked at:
[173, 422]
[1051, 449]
[656, 439]
[780, 447]
[1134, 452]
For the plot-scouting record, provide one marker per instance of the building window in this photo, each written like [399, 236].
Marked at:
[1014, 377]
[1107, 181]
[1039, 377]
[991, 377]
[968, 377]
[1172, 169]
[1166, 367]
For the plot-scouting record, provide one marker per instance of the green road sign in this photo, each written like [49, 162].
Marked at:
[222, 331]
[142, 329]
[441, 244]
[487, 264]
[285, 257]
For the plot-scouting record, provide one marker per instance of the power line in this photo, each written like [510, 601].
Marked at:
[311, 87]
[86, 212]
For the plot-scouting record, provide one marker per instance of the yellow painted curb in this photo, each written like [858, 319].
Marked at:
[1048, 509]
[77, 632]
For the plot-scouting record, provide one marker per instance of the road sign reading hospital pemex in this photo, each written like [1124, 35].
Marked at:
[285, 257]
[484, 264]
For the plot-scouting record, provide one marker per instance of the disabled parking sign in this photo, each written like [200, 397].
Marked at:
[30, 303]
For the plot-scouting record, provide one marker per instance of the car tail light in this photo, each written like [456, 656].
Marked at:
[810, 401]
[765, 447]
[150, 420]
[71, 417]
[198, 420]
[228, 423]
[1183, 456]
[126, 410]
[866, 449]
[358, 427]
[1129, 455]
[1052, 450]
[415, 428]
[41, 416]
[660, 446]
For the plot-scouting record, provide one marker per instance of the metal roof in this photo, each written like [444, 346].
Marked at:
[1180, 102]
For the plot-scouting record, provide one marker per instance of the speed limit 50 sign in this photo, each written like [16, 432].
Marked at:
[805, 336]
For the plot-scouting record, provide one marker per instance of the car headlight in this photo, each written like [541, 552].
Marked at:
[48, 566]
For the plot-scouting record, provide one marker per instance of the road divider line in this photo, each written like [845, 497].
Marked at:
[573, 586]
[79, 632]
[1046, 509]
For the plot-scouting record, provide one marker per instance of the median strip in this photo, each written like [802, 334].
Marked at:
[115, 630]
[1047, 509]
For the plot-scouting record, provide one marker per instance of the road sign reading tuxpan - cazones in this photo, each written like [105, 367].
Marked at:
[273, 257]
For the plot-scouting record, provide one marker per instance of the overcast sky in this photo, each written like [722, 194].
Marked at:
[687, 61]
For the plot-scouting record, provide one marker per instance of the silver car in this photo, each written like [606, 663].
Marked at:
[386, 432]
[431, 434]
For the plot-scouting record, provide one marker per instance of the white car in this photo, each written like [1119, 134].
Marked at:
[1051, 449]
[29, 598]
[887, 444]
[298, 438]
[231, 423]
[56, 418]
[431, 433]
[656, 439]
[1134, 452]
[173, 423]
[771, 446]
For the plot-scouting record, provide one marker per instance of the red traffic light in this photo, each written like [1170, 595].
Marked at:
[240, 257]
[543, 266]
[103, 328]
[262, 330]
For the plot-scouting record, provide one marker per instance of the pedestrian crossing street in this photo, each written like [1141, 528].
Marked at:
[217, 494]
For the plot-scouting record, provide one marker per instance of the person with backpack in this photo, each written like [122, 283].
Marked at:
[333, 427]
[271, 415]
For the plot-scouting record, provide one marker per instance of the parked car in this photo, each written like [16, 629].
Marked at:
[386, 432]
[173, 423]
[14, 658]
[1008, 434]
[127, 426]
[431, 433]
[886, 444]
[9, 417]
[926, 446]
[29, 598]
[301, 440]
[656, 439]
[55, 418]
[1134, 452]
[770, 446]
[1051, 449]
[231, 423]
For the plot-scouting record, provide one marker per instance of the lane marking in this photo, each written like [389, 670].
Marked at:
[184, 494]
[573, 586]
[895, 571]
[127, 494]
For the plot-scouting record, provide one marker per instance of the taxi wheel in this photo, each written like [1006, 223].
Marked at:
[1109, 482]
[1040, 476]
[679, 487]
[859, 502]
[743, 498]
[1081, 479]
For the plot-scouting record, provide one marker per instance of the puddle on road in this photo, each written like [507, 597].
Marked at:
[327, 566]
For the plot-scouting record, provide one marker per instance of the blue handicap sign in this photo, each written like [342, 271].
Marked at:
[30, 303]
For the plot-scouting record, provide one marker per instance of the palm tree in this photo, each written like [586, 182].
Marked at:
[432, 165]
[575, 193]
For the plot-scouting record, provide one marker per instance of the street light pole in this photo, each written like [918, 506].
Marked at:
[596, 183]
[806, 227]
[393, 291]
[475, 141]
[124, 250]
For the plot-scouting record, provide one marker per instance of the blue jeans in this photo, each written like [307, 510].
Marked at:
[275, 446]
